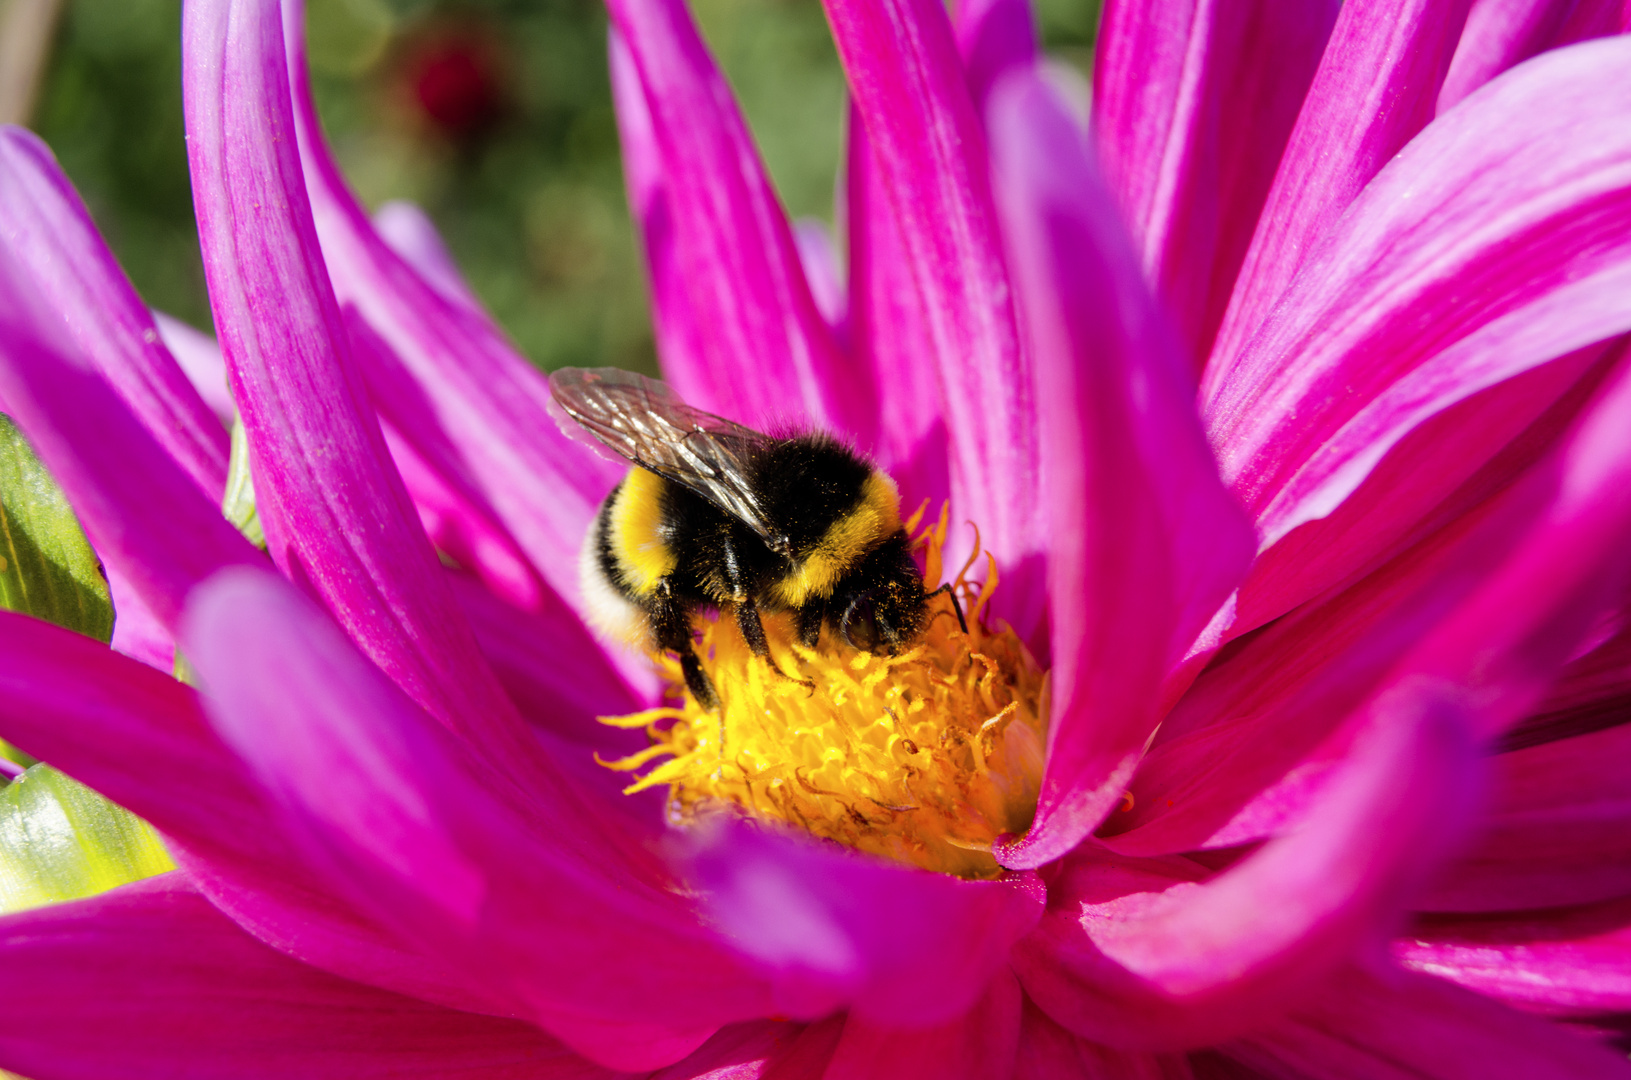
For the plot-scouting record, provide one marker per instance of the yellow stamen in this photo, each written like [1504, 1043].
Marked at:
[925, 757]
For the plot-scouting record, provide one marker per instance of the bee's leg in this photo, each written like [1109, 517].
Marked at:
[753, 628]
[811, 616]
[955, 606]
[671, 626]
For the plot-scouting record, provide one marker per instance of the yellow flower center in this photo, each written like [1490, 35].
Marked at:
[925, 757]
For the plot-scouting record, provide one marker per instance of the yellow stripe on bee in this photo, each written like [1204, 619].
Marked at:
[875, 518]
[642, 556]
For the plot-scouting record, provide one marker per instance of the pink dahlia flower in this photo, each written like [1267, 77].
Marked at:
[1293, 406]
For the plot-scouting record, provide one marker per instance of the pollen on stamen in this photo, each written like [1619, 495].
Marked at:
[926, 757]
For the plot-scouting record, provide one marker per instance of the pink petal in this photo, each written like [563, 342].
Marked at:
[913, 100]
[1588, 695]
[980, 1044]
[679, 332]
[1477, 254]
[138, 736]
[1574, 962]
[1408, 1026]
[1148, 543]
[52, 237]
[201, 361]
[488, 400]
[334, 508]
[1493, 607]
[903, 947]
[890, 335]
[149, 980]
[765, 354]
[818, 255]
[137, 632]
[449, 501]
[362, 812]
[143, 515]
[1558, 830]
[738, 1052]
[556, 674]
[1374, 90]
[1159, 965]
[1502, 33]
[412, 235]
[1047, 1052]
[515, 888]
[994, 37]
[1192, 175]
[1447, 464]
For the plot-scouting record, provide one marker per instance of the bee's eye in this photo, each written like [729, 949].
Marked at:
[860, 626]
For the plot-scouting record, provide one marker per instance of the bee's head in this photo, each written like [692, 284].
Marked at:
[881, 606]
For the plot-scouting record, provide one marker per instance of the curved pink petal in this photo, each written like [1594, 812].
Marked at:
[1189, 964]
[490, 402]
[981, 1043]
[680, 348]
[336, 515]
[1189, 171]
[450, 503]
[1502, 33]
[143, 515]
[901, 947]
[929, 151]
[201, 361]
[766, 355]
[1148, 544]
[411, 234]
[890, 336]
[519, 894]
[1491, 237]
[150, 981]
[1438, 471]
[139, 737]
[1493, 606]
[50, 233]
[1399, 1026]
[1557, 831]
[1375, 89]
[1574, 962]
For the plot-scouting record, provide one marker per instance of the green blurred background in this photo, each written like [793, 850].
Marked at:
[494, 115]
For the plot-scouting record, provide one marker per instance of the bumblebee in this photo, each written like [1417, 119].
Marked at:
[718, 516]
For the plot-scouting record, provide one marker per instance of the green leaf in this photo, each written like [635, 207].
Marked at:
[59, 840]
[47, 569]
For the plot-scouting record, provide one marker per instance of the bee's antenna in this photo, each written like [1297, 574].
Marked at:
[955, 606]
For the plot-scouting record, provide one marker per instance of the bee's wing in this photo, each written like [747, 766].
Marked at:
[644, 421]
